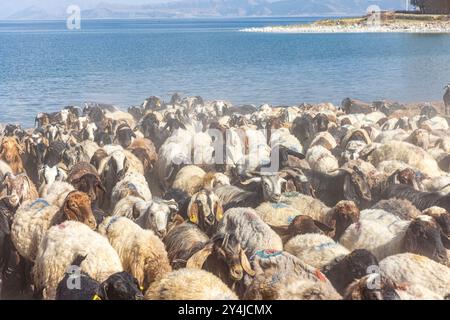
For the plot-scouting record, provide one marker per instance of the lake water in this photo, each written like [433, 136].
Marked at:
[44, 66]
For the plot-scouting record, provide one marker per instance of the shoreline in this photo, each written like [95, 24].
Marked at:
[387, 23]
[337, 29]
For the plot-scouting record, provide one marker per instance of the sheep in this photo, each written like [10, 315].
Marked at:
[421, 200]
[409, 154]
[132, 184]
[268, 188]
[371, 287]
[436, 123]
[145, 151]
[57, 193]
[124, 135]
[118, 286]
[401, 208]
[175, 151]
[205, 210]
[48, 175]
[157, 215]
[189, 284]
[343, 270]
[61, 245]
[280, 275]
[10, 152]
[33, 218]
[346, 184]
[224, 257]
[84, 177]
[30, 223]
[315, 250]
[141, 252]
[20, 186]
[410, 269]
[421, 235]
[321, 160]
[189, 179]
[252, 233]
[339, 217]
[182, 242]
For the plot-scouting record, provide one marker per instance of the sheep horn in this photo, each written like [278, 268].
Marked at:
[447, 185]
[197, 260]
[247, 182]
[342, 169]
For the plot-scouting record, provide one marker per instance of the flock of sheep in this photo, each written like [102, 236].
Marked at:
[193, 199]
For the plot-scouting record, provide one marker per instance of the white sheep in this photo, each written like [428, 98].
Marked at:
[324, 139]
[61, 245]
[189, 179]
[48, 175]
[409, 269]
[316, 250]
[189, 284]
[436, 123]
[321, 159]
[132, 184]
[409, 154]
[56, 194]
[284, 138]
[31, 221]
[141, 252]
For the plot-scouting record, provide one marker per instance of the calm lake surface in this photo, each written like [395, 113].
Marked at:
[44, 66]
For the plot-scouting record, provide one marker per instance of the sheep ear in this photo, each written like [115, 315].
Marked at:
[280, 230]
[219, 212]
[349, 189]
[198, 259]
[246, 264]
[323, 227]
[193, 212]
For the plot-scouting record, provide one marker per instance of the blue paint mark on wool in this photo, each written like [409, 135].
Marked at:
[37, 201]
[279, 205]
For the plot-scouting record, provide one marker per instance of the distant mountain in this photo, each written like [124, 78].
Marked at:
[217, 8]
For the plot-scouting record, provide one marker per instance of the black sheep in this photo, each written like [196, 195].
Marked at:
[119, 286]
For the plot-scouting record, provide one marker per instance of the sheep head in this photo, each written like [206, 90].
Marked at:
[344, 270]
[223, 249]
[90, 184]
[272, 185]
[205, 210]
[356, 187]
[120, 286]
[441, 216]
[11, 151]
[372, 287]
[20, 186]
[406, 176]
[160, 215]
[425, 237]
[302, 224]
[343, 215]
[77, 206]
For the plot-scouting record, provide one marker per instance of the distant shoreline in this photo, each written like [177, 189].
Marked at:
[388, 23]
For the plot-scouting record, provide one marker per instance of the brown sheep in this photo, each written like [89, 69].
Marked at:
[10, 152]
[97, 158]
[84, 177]
[20, 186]
[145, 151]
[77, 206]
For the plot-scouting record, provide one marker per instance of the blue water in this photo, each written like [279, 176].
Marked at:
[44, 66]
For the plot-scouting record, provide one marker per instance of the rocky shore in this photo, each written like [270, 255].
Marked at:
[394, 23]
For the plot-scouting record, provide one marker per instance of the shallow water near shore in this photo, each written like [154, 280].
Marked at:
[44, 66]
